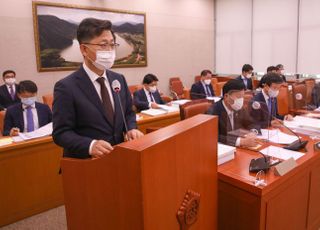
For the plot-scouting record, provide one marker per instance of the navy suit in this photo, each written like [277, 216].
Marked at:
[198, 92]
[5, 97]
[79, 116]
[241, 120]
[249, 83]
[140, 99]
[14, 117]
[261, 115]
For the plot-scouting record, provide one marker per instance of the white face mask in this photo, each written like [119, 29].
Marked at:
[273, 93]
[237, 104]
[10, 81]
[153, 89]
[207, 81]
[28, 100]
[104, 59]
[282, 72]
[249, 75]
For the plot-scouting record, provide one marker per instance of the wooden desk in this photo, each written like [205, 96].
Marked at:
[157, 121]
[29, 179]
[290, 202]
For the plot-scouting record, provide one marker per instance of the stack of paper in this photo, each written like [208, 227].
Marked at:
[154, 112]
[225, 153]
[180, 102]
[304, 125]
[168, 108]
[215, 99]
[281, 153]
[276, 136]
[41, 132]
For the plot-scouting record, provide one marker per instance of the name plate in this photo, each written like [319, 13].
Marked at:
[285, 166]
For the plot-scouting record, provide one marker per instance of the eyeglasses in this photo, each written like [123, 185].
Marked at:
[104, 46]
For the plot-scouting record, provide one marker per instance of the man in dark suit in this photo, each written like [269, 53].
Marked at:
[246, 75]
[87, 117]
[280, 71]
[27, 115]
[202, 88]
[232, 116]
[149, 96]
[264, 107]
[8, 95]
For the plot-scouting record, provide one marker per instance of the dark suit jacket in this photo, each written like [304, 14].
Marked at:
[261, 116]
[197, 91]
[14, 117]
[241, 120]
[249, 83]
[140, 99]
[5, 97]
[79, 117]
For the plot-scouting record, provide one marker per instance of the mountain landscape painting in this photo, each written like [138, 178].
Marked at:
[57, 48]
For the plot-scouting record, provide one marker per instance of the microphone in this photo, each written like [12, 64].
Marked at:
[296, 145]
[116, 87]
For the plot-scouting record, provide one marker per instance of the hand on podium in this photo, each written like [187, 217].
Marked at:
[100, 148]
[133, 134]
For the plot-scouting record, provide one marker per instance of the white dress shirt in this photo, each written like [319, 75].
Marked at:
[149, 97]
[35, 117]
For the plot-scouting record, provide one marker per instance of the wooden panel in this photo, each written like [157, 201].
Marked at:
[314, 199]
[283, 100]
[29, 179]
[146, 121]
[288, 209]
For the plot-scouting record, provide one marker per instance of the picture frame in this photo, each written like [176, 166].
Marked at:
[57, 48]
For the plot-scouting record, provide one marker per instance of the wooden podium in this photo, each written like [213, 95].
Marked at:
[143, 184]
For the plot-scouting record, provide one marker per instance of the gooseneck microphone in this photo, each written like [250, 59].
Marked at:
[116, 87]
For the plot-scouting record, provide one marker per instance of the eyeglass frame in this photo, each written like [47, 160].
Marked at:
[106, 45]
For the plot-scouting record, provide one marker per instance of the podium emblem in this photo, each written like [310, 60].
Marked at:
[188, 212]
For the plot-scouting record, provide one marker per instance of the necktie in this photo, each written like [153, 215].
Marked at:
[30, 123]
[11, 92]
[245, 81]
[208, 91]
[106, 102]
[270, 105]
[151, 98]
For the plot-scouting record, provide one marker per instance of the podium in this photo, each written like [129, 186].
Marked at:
[164, 180]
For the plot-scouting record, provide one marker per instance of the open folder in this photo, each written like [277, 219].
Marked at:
[41, 132]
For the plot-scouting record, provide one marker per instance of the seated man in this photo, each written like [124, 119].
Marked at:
[246, 75]
[27, 115]
[264, 106]
[202, 88]
[281, 72]
[232, 116]
[148, 97]
[8, 95]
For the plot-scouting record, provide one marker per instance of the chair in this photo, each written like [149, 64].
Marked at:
[176, 88]
[299, 92]
[194, 107]
[255, 83]
[133, 88]
[2, 115]
[166, 99]
[214, 82]
[197, 78]
[219, 87]
[310, 83]
[174, 79]
[48, 100]
[247, 98]
[283, 100]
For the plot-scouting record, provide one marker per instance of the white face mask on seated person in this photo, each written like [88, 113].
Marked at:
[152, 89]
[10, 81]
[207, 81]
[28, 101]
[273, 93]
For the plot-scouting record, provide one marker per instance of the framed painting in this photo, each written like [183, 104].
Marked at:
[55, 28]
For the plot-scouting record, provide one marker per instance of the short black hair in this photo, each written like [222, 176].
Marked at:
[27, 86]
[272, 68]
[233, 85]
[205, 72]
[247, 68]
[270, 78]
[149, 78]
[280, 66]
[8, 71]
[90, 28]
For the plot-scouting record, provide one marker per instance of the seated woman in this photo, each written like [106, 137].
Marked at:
[27, 115]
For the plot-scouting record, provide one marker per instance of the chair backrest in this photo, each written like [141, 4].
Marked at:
[194, 107]
[197, 78]
[247, 98]
[219, 87]
[48, 100]
[299, 92]
[255, 83]
[283, 100]
[173, 79]
[214, 82]
[310, 83]
[2, 115]
[177, 87]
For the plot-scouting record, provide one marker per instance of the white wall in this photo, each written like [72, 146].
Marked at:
[179, 39]
[275, 32]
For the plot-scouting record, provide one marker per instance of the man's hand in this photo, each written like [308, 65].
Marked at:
[276, 123]
[249, 141]
[133, 134]
[14, 132]
[154, 105]
[100, 148]
[288, 117]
